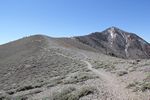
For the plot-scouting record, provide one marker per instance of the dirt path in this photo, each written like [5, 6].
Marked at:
[116, 90]
[115, 87]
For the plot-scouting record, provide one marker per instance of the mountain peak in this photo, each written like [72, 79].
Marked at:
[116, 42]
[114, 29]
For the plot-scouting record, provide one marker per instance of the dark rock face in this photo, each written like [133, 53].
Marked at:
[116, 42]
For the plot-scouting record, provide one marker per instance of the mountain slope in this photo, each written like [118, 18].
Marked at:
[119, 43]
[41, 67]
[16, 56]
[36, 62]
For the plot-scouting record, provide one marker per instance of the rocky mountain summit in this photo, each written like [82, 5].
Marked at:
[116, 42]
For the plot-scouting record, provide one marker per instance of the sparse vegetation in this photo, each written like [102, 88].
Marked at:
[64, 94]
[55, 81]
[103, 64]
[79, 77]
[71, 93]
[20, 98]
[146, 84]
[29, 87]
[121, 73]
[37, 68]
[140, 86]
[132, 85]
[4, 96]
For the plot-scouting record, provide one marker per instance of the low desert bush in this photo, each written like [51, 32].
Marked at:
[121, 73]
[4, 96]
[145, 86]
[71, 93]
[140, 86]
[63, 94]
[79, 77]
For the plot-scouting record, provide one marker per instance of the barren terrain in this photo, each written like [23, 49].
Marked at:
[44, 68]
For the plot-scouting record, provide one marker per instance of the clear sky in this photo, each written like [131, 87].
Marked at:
[60, 18]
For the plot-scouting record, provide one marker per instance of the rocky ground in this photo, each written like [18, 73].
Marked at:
[48, 69]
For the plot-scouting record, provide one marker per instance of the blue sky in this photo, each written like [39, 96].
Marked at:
[60, 18]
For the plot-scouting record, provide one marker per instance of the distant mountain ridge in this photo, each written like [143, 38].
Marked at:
[116, 42]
